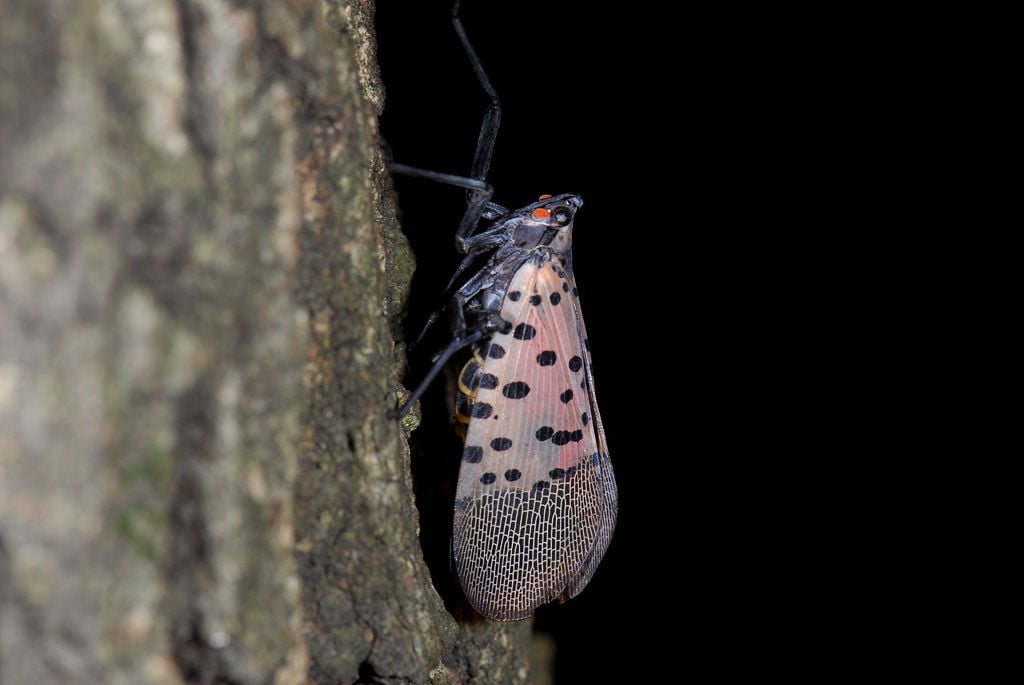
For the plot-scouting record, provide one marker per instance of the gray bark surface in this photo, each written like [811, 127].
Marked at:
[201, 276]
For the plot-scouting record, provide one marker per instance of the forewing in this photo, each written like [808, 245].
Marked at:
[603, 467]
[536, 500]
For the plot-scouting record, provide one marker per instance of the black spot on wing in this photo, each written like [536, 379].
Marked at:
[473, 454]
[547, 358]
[524, 331]
[565, 437]
[515, 390]
[501, 444]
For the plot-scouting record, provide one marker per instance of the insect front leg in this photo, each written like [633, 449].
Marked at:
[478, 204]
[473, 247]
[474, 316]
[475, 309]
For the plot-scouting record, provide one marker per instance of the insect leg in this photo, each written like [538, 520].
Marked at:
[488, 133]
[486, 320]
[478, 201]
[454, 346]
[478, 206]
[474, 184]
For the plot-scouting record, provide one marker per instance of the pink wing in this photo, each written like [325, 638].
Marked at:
[536, 500]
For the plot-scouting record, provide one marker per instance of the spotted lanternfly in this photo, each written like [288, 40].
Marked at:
[536, 500]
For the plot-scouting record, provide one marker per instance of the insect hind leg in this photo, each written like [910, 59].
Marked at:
[454, 346]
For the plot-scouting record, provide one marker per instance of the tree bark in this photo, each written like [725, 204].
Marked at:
[201, 279]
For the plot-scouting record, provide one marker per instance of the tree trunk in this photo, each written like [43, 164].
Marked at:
[201, 277]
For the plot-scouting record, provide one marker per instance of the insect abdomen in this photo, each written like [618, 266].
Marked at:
[470, 378]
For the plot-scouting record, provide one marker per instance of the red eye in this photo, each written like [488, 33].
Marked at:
[541, 213]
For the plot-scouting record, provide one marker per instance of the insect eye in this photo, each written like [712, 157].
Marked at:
[562, 216]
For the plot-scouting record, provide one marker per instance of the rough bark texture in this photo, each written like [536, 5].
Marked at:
[200, 280]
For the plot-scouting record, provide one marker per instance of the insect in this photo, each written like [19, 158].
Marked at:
[536, 501]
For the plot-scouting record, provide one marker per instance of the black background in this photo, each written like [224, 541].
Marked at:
[704, 148]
